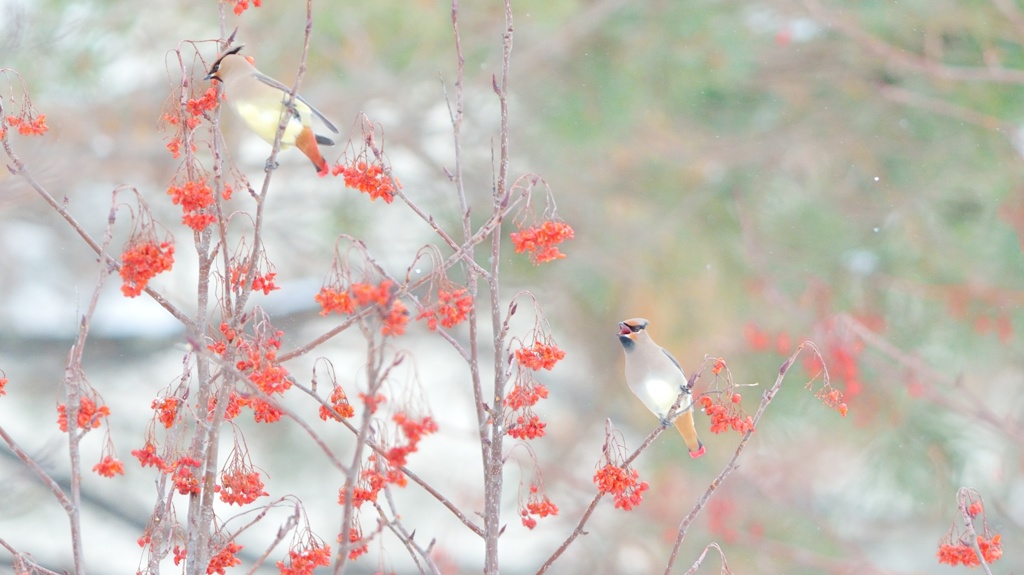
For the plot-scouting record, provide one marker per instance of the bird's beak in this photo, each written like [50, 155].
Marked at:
[211, 76]
[624, 329]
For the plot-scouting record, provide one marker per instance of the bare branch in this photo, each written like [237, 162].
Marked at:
[43, 476]
[732, 465]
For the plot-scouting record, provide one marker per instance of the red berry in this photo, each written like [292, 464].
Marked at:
[736, 398]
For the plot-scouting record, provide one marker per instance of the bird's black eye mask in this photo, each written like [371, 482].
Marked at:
[216, 64]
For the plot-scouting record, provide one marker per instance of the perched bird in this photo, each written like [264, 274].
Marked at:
[655, 377]
[260, 100]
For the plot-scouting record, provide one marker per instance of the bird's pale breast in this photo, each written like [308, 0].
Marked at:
[263, 120]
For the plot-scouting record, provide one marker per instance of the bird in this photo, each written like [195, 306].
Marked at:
[657, 379]
[259, 101]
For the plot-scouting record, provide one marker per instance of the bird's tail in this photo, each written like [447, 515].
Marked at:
[684, 423]
[307, 143]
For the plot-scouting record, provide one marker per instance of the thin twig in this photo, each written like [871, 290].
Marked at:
[286, 116]
[766, 399]
[288, 526]
[382, 451]
[962, 495]
[73, 378]
[696, 564]
[674, 412]
[375, 380]
[23, 564]
[419, 555]
[231, 370]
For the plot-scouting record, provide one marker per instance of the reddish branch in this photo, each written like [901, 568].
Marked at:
[943, 383]
[930, 64]
[946, 108]
[908, 60]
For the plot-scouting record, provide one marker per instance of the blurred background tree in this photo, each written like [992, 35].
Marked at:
[745, 174]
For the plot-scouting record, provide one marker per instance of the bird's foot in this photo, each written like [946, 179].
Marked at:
[271, 166]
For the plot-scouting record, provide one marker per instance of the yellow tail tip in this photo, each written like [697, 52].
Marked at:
[698, 453]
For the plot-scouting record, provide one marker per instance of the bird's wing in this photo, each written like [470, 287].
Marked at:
[674, 362]
[274, 83]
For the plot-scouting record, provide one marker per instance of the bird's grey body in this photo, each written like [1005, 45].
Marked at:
[657, 379]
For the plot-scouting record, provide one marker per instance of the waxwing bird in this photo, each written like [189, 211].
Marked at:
[259, 101]
[656, 378]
